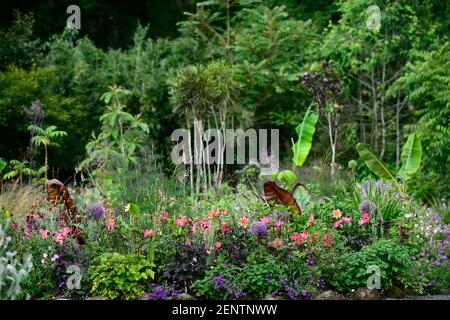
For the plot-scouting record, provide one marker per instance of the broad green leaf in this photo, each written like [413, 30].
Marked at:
[301, 195]
[305, 132]
[373, 163]
[411, 157]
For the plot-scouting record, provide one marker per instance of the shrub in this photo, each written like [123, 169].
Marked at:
[188, 263]
[220, 282]
[258, 277]
[117, 276]
[352, 268]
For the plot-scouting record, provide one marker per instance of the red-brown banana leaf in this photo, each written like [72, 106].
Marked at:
[280, 195]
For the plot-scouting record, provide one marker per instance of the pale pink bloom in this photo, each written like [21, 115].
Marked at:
[66, 231]
[265, 219]
[346, 219]
[203, 224]
[243, 222]
[165, 215]
[43, 233]
[217, 245]
[148, 233]
[304, 235]
[365, 218]
[181, 221]
[337, 224]
[279, 224]
[58, 238]
[225, 211]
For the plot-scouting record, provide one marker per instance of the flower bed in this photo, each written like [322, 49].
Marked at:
[230, 245]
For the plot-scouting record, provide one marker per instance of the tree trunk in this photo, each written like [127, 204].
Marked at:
[397, 133]
[374, 111]
[361, 118]
[383, 132]
[383, 120]
[46, 162]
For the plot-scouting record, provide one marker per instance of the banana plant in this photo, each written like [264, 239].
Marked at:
[305, 132]
[411, 159]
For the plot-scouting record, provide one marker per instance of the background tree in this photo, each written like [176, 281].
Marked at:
[17, 169]
[117, 146]
[427, 84]
[207, 94]
[46, 137]
[371, 60]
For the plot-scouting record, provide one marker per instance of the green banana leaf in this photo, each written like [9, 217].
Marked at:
[411, 157]
[373, 163]
[301, 195]
[305, 132]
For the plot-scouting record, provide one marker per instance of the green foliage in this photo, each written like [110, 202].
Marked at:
[45, 137]
[3, 165]
[375, 165]
[233, 64]
[251, 278]
[269, 61]
[286, 178]
[352, 269]
[411, 157]
[117, 276]
[255, 274]
[17, 44]
[18, 89]
[204, 90]
[427, 85]
[17, 169]
[305, 132]
[118, 144]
